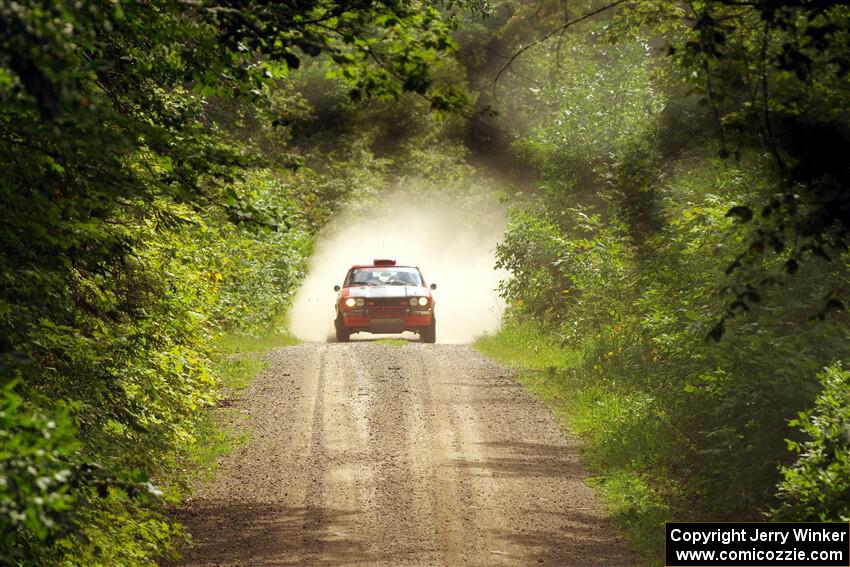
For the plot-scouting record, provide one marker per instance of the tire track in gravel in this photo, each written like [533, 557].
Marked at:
[420, 455]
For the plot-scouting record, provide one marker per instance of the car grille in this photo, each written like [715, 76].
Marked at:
[385, 311]
[387, 301]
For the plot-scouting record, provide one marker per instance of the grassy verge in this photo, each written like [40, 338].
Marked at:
[393, 342]
[247, 344]
[618, 428]
[236, 364]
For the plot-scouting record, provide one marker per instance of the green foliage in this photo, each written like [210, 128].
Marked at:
[816, 488]
[774, 77]
[115, 529]
[255, 271]
[642, 241]
[36, 469]
[56, 507]
[153, 199]
[551, 272]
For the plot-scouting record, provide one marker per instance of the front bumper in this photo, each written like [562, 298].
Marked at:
[386, 321]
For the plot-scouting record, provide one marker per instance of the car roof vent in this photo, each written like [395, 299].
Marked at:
[383, 262]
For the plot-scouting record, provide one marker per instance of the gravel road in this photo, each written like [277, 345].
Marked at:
[368, 454]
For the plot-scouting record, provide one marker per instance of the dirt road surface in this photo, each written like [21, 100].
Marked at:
[374, 455]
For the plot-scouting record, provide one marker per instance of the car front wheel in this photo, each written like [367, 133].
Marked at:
[343, 335]
[429, 334]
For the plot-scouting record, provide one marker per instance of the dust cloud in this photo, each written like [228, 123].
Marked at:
[453, 242]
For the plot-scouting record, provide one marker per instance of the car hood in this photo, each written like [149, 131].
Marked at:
[372, 292]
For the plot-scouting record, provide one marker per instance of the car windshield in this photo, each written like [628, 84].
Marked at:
[385, 276]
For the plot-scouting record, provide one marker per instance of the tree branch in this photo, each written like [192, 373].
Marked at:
[770, 138]
[557, 30]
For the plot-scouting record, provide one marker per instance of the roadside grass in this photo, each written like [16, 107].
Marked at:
[393, 342]
[619, 430]
[215, 435]
[242, 344]
[219, 429]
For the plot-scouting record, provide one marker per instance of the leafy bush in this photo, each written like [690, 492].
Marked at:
[59, 506]
[816, 488]
[37, 471]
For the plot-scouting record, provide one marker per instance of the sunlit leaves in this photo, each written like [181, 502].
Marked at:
[816, 488]
[36, 468]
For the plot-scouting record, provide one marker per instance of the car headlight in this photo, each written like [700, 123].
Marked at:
[360, 302]
[414, 301]
[350, 302]
[423, 301]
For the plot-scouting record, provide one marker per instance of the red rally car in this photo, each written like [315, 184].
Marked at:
[385, 298]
